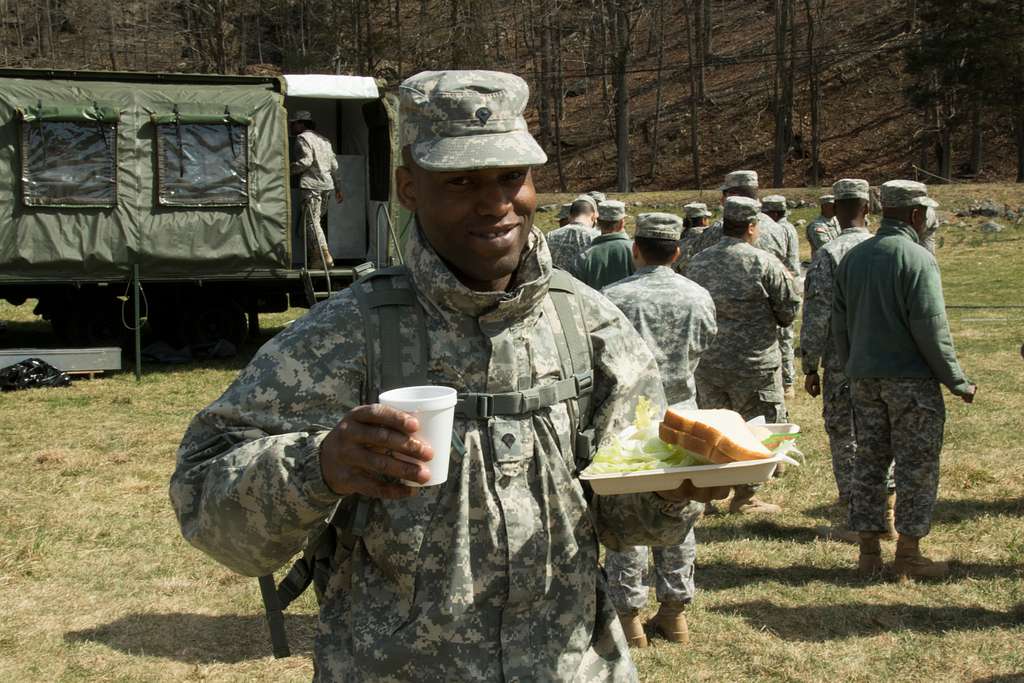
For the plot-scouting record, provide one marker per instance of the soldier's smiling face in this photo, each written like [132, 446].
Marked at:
[478, 221]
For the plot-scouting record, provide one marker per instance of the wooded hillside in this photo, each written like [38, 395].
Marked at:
[627, 94]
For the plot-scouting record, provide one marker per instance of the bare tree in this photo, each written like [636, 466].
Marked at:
[814, 12]
[657, 98]
[691, 44]
[783, 89]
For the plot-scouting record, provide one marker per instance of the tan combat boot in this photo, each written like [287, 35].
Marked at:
[870, 561]
[911, 564]
[633, 628]
[745, 503]
[890, 518]
[670, 622]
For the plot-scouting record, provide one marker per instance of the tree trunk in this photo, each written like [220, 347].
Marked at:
[691, 63]
[945, 152]
[1019, 136]
[657, 97]
[701, 13]
[977, 140]
[780, 87]
[621, 35]
[815, 93]
[706, 38]
[544, 76]
[111, 31]
[559, 95]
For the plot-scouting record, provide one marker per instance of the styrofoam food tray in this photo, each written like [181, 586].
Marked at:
[668, 478]
[780, 433]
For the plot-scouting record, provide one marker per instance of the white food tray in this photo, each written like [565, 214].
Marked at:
[668, 478]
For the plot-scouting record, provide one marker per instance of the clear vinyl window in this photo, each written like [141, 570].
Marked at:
[69, 163]
[202, 163]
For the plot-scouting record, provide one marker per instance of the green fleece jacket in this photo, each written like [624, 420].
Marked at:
[888, 313]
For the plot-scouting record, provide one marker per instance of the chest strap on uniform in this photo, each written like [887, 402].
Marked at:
[476, 406]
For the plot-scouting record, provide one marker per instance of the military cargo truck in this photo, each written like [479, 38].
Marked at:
[183, 180]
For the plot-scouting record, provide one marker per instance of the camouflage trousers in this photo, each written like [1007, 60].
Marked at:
[788, 355]
[754, 393]
[673, 570]
[899, 420]
[837, 412]
[314, 208]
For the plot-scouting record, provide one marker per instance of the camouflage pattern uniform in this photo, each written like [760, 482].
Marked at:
[820, 231]
[785, 246]
[494, 574]
[753, 296]
[568, 242]
[676, 317]
[816, 349]
[891, 334]
[317, 168]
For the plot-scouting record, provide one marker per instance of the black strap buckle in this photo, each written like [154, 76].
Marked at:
[584, 383]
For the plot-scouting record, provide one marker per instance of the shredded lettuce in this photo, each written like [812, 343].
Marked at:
[639, 449]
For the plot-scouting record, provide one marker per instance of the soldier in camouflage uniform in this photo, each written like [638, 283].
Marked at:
[893, 340]
[493, 575]
[610, 256]
[825, 227]
[563, 214]
[568, 242]
[695, 220]
[317, 168]
[817, 350]
[676, 317]
[597, 196]
[753, 294]
[772, 238]
[775, 208]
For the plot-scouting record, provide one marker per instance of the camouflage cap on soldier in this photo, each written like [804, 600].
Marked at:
[588, 199]
[774, 202]
[851, 188]
[598, 196]
[563, 211]
[696, 210]
[739, 179]
[659, 226]
[611, 210]
[898, 194]
[461, 120]
[300, 115]
[741, 209]
[826, 199]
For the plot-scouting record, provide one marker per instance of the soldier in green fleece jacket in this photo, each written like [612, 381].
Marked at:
[891, 335]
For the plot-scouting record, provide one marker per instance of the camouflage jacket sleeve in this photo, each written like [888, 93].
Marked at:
[247, 487]
[817, 312]
[304, 158]
[625, 370]
[792, 252]
[782, 293]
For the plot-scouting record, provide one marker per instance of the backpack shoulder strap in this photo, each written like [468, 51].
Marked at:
[575, 341]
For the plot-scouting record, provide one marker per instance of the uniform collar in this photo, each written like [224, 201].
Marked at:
[438, 284]
[620, 235]
[855, 229]
[891, 226]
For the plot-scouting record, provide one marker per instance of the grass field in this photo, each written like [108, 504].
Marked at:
[96, 583]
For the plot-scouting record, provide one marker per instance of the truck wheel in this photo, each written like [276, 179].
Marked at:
[210, 321]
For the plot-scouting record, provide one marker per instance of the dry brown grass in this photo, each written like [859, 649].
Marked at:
[97, 584]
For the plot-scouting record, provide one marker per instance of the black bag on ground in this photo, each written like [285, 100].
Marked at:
[30, 374]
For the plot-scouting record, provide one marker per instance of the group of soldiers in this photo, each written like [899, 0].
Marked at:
[716, 305]
[493, 575]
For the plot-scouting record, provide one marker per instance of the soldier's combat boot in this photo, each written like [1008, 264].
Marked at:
[870, 561]
[890, 518]
[633, 628]
[745, 503]
[911, 564]
[670, 622]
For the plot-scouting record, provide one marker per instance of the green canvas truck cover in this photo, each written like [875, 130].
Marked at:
[183, 178]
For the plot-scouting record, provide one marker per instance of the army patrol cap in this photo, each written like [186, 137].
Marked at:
[741, 210]
[611, 210]
[300, 115]
[597, 196]
[851, 188]
[826, 199]
[775, 202]
[898, 194]
[563, 212]
[588, 199]
[739, 179]
[696, 210]
[462, 120]
[659, 226]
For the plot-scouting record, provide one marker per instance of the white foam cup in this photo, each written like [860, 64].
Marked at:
[434, 407]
